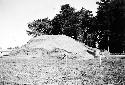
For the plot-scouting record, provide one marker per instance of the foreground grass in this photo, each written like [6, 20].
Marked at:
[114, 71]
[111, 71]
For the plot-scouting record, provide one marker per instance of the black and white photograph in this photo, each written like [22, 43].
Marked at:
[62, 42]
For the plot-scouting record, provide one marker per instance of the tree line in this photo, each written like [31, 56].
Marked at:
[104, 31]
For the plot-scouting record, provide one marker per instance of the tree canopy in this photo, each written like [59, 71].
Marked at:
[110, 19]
[40, 27]
[105, 29]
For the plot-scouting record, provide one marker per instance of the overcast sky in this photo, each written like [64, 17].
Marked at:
[15, 14]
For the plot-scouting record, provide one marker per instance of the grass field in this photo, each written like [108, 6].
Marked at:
[81, 72]
[114, 70]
